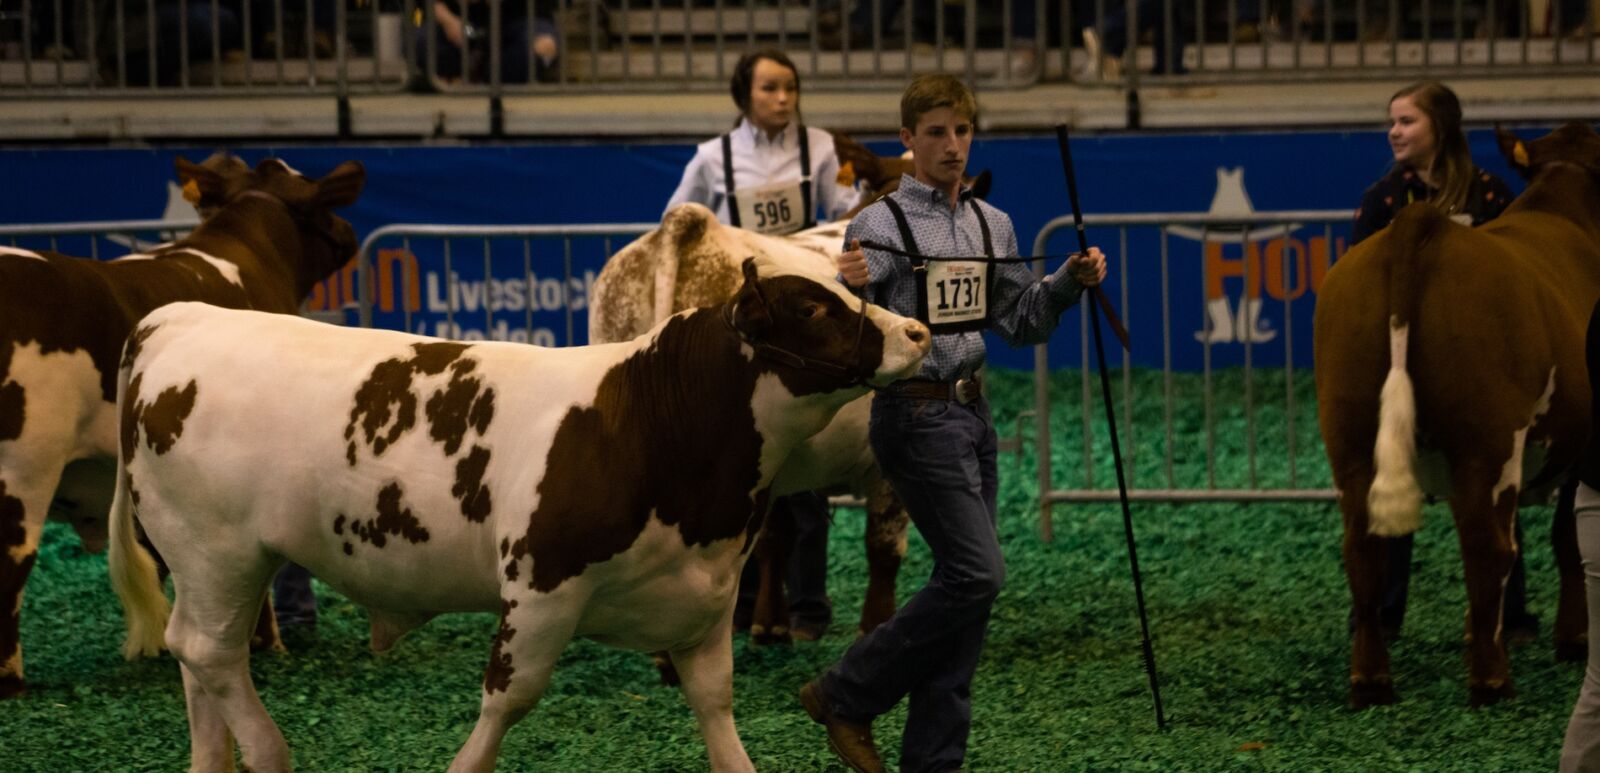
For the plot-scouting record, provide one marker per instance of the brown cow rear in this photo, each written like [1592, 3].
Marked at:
[270, 237]
[1450, 361]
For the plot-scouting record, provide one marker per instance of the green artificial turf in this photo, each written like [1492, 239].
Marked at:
[1247, 603]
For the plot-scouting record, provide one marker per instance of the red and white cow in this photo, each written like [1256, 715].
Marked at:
[610, 491]
[269, 237]
[1450, 360]
[693, 261]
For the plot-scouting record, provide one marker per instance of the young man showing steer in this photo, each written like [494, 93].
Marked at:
[933, 434]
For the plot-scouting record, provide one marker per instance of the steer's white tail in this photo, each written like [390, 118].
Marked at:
[1394, 503]
[133, 571]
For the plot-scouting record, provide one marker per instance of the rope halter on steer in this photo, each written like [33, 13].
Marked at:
[848, 375]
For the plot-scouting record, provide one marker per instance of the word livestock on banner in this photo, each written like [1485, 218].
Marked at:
[511, 304]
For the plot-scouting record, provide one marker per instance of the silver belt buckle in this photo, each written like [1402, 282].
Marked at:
[962, 391]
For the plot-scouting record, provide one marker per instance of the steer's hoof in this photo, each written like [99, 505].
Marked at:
[1572, 651]
[669, 674]
[12, 687]
[1487, 695]
[261, 644]
[763, 636]
[1377, 692]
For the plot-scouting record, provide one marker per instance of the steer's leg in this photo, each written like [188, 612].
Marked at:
[887, 524]
[1349, 429]
[25, 491]
[1484, 502]
[1365, 557]
[219, 596]
[707, 673]
[534, 629]
[769, 623]
[210, 743]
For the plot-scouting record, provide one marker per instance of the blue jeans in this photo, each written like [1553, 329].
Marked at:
[516, 48]
[940, 457]
[1114, 34]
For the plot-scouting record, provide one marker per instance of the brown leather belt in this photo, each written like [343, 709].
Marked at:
[961, 390]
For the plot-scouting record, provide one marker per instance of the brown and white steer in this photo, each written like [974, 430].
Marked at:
[611, 491]
[1450, 360]
[693, 261]
[270, 236]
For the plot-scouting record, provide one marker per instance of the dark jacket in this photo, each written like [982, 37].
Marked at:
[1487, 197]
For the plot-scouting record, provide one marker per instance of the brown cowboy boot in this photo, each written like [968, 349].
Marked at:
[850, 741]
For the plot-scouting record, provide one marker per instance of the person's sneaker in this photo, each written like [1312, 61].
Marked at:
[850, 741]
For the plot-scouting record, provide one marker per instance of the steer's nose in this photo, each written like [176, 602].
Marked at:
[918, 334]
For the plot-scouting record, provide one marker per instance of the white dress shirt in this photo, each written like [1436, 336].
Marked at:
[761, 160]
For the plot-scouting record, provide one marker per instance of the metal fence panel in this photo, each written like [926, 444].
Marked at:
[60, 47]
[1228, 387]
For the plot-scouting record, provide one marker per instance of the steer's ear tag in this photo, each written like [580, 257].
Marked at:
[847, 175]
[1519, 154]
[191, 191]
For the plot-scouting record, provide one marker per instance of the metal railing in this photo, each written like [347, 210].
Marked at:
[397, 281]
[203, 47]
[1153, 305]
[97, 240]
[214, 47]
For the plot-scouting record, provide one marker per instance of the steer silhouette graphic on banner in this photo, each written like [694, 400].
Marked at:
[1266, 258]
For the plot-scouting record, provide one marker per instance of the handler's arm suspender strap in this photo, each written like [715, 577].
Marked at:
[727, 178]
[909, 243]
[805, 178]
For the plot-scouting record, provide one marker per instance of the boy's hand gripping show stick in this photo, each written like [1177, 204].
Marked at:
[1111, 420]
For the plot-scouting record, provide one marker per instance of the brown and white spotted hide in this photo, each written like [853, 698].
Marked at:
[693, 261]
[1450, 362]
[270, 236]
[610, 491]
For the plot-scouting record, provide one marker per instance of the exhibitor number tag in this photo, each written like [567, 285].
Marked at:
[956, 292]
[778, 208]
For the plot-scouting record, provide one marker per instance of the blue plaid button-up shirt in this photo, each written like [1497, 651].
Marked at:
[1024, 310]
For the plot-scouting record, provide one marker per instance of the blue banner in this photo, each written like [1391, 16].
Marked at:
[1222, 293]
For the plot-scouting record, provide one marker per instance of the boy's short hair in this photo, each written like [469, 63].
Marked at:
[929, 92]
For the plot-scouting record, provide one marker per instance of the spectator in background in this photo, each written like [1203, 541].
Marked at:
[528, 46]
[1431, 163]
[184, 34]
[1105, 43]
[280, 28]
